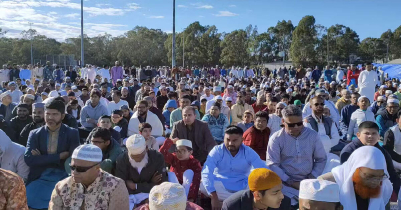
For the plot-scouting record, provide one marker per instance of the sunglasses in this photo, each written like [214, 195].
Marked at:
[81, 169]
[291, 125]
[319, 104]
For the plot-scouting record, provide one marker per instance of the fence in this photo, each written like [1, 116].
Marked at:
[63, 61]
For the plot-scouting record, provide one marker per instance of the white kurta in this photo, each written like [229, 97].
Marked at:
[367, 81]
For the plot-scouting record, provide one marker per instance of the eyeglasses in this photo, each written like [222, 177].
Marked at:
[291, 125]
[98, 142]
[319, 104]
[374, 178]
[81, 169]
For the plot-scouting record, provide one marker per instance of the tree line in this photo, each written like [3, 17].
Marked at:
[307, 43]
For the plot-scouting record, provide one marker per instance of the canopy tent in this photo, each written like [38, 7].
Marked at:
[393, 70]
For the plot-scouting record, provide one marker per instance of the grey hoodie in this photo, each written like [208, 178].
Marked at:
[92, 112]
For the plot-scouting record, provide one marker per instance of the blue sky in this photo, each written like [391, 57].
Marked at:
[61, 18]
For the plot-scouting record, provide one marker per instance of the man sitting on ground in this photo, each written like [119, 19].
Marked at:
[196, 131]
[233, 161]
[144, 115]
[140, 168]
[264, 192]
[363, 180]
[257, 136]
[368, 135]
[295, 153]
[88, 186]
[46, 151]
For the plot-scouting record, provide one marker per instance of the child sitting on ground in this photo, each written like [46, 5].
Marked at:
[185, 169]
[145, 129]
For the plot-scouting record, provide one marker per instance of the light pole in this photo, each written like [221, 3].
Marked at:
[388, 41]
[30, 30]
[82, 33]
[327, 47]
[173, 50]
[183, 50]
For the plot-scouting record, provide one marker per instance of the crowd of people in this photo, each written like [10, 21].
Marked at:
[199, 138]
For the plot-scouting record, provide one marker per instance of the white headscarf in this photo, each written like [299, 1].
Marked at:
[369, 157]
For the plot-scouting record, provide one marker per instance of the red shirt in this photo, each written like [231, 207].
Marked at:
[180, 166]
[353, 75]
[257, 108]
[257, 140]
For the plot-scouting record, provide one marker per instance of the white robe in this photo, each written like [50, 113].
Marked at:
[367, 82]
[369, 157]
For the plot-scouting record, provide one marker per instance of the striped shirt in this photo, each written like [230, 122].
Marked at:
[296, 158]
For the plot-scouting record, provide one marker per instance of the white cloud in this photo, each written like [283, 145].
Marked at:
[103, 5]
[181, 6]
[92, 11]
[226, 14]
[15, 15]
[233, 5]
[73, 15]
[205, 7]
[157, 17]
[133, 6]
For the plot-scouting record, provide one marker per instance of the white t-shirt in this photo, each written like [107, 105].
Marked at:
[113, 105]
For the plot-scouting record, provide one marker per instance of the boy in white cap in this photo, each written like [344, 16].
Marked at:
[185, 169]
[317, 194]
[89, 186]
[139, 176]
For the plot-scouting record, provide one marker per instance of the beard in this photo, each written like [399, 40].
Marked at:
[38, 120]
[139, 165]
[362, 190]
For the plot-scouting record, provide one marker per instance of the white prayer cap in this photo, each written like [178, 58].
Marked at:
[167, 195]
[216, 88]
[393, 100]
[88, 152]
[229, 99]
[124, 88]
[30, 96]
[219, 98]
[389, 92]
[136, 144]
[74, 87]
[381, 98]
[362, 97]
[58, 84]
[183, 142]
[244, 86]
[289, 90]
[11, 83]
[27, 80]
[229, 86]
[383, 86]
[319, 190]
[5, 94]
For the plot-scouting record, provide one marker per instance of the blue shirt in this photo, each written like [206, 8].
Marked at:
[24, 74]
[223, 72]
[232, 171]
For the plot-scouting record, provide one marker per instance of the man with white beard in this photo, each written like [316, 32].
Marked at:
[367, 81]
[133, 168]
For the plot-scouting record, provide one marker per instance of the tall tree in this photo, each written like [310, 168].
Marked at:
[372, 49]
[303, 42]
[234, 48]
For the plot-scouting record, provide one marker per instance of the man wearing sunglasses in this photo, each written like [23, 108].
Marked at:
[88, 185]
[295, 152]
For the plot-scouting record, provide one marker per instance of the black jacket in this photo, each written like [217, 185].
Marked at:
[23, 139]
[143, 180]
[355, 144]
[243, 200]
[18, 125]
[123, 124]
[70, 121]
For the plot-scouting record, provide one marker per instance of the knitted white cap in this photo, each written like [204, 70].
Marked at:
[167, 196]
[88, 152]
[183, 142]
[319, 190]
[136, 144]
